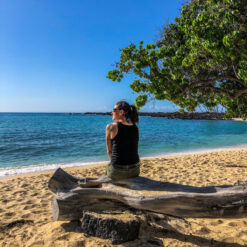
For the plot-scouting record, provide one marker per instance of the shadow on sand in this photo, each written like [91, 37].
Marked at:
[156, 236]
[143, 183]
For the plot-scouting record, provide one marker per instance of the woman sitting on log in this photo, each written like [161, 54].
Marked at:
[122, 139]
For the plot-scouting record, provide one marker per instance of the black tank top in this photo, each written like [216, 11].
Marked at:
[125, 145]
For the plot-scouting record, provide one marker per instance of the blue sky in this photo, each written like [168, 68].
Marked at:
[55, 55]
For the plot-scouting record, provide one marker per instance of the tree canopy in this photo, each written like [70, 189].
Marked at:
[201, 59]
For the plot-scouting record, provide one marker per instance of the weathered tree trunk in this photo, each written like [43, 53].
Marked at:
[73, 195]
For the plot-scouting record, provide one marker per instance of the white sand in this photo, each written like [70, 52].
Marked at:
[27, 198]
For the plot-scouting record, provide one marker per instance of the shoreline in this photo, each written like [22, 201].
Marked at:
[36, 169]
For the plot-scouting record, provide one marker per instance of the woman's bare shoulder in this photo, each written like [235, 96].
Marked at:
[112, 126]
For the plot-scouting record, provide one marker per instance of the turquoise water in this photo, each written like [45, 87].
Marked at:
[35, 141]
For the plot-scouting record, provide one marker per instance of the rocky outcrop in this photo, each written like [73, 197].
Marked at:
[113, 228]
[187, 115]
[96, 113]
[174, 115]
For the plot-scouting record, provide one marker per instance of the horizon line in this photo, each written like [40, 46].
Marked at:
[73, 112]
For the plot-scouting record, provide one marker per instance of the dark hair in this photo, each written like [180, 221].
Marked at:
[130, 111]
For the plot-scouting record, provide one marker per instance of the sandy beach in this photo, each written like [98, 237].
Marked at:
[26, 218]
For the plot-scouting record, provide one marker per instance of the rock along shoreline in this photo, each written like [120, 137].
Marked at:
[174, 115]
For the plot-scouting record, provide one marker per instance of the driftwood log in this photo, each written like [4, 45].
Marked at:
[74, 195]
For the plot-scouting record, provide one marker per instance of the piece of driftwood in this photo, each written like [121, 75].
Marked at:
[73, 195]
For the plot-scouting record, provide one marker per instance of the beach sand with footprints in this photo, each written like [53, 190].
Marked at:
[26, 217]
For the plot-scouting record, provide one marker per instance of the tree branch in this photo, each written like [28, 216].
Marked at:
[235, 72]
[235, 95]
[209, 84]
[217, 90]
[220, 91]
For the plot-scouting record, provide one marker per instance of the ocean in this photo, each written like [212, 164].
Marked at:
[41, 141]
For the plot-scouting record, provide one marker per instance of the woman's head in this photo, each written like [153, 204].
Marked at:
[123, 110]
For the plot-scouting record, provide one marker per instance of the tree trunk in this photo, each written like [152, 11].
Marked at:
[73, 195]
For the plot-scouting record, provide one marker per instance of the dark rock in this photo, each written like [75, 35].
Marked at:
[96, 113]
[115, 229]
[186, 115]
[174, 115]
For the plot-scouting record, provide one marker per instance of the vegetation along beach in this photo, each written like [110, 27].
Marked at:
[183, 65]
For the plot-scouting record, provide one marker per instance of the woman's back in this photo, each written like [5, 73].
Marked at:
[125, 145]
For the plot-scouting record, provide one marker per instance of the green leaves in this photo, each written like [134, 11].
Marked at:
[115, 75]
[243, 74]
[141, 100]
[230, 39]
[138, 86]
[200, 59]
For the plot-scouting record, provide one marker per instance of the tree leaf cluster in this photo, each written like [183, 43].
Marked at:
[201, 59]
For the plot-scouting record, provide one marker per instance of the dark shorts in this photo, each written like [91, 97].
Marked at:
[117, 172]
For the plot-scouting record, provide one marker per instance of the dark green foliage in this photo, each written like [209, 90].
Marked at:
[201, 59]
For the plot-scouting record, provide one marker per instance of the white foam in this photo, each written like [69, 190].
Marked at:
[12, 171]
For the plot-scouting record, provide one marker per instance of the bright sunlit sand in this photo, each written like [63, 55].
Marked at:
[26, 217]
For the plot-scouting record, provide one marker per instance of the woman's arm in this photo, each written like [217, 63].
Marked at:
[111, 132]
[108, 140]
